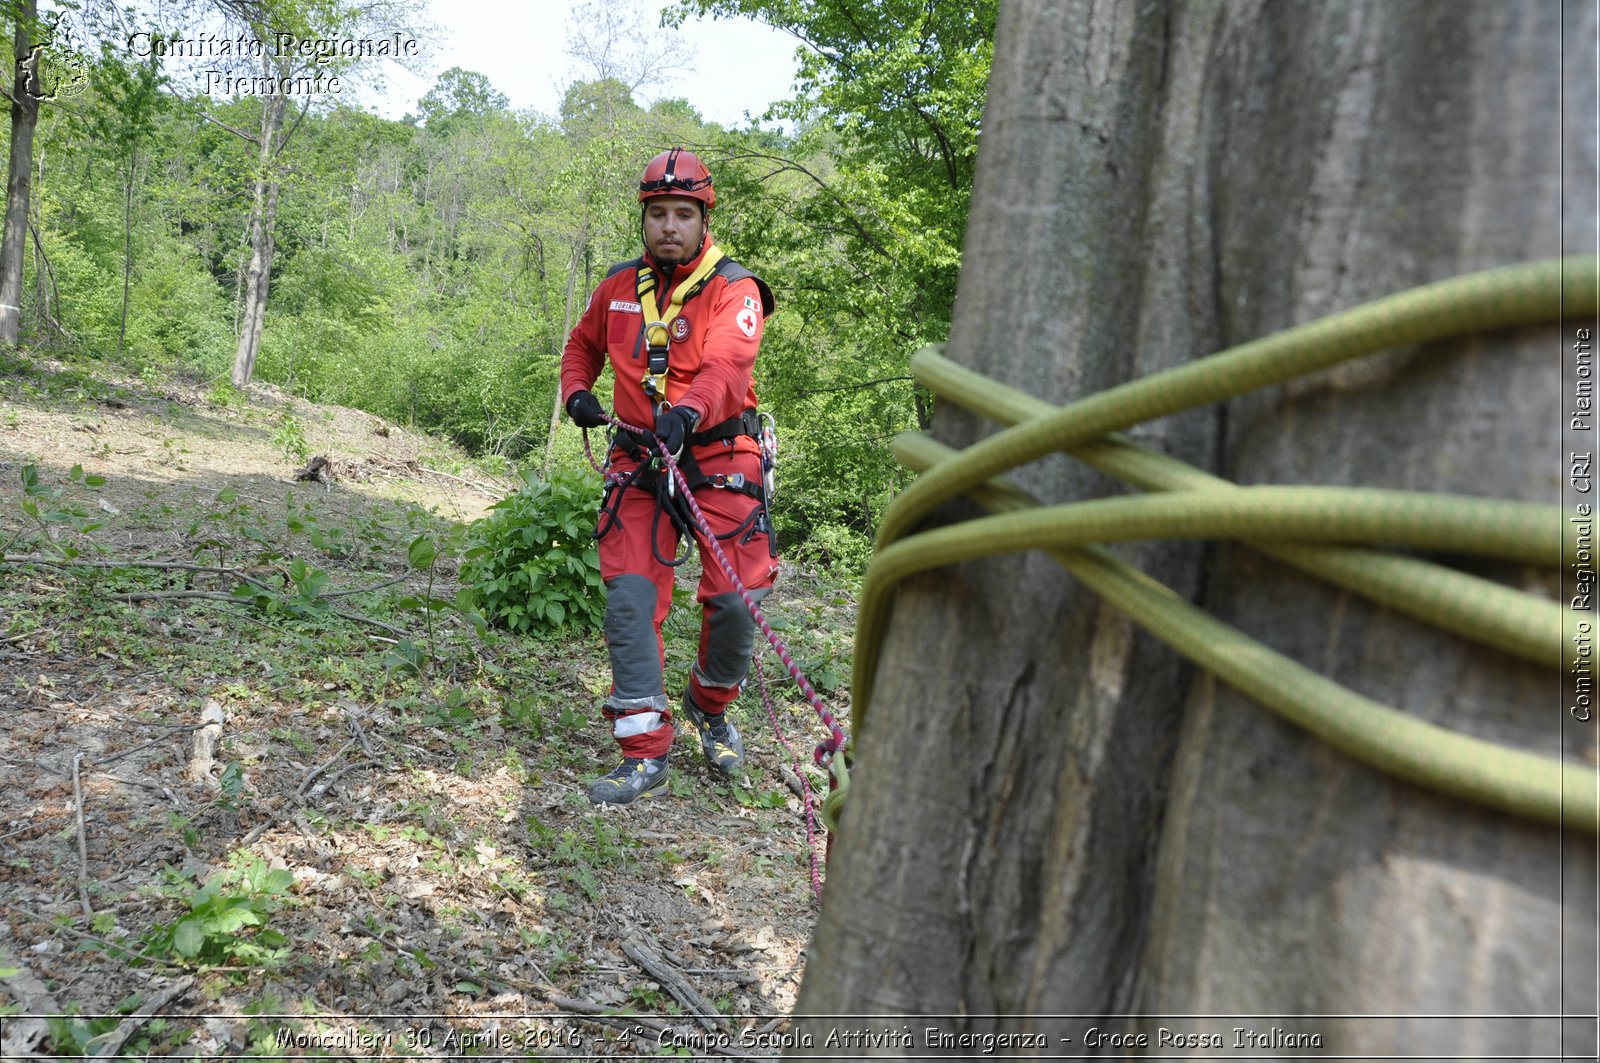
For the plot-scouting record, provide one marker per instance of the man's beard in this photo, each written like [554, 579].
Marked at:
[675, 257]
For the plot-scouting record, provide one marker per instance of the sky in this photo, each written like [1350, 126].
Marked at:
[728, 68]
[736, 65]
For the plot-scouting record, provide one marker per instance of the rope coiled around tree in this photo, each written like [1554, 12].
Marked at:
[1311, 528]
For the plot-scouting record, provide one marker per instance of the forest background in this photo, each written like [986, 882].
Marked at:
[428, 269]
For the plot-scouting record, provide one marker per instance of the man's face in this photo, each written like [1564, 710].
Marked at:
[672, 228]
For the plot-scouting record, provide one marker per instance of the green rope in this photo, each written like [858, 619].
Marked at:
[1478, 302]
[1198, 504]
[1470, 606]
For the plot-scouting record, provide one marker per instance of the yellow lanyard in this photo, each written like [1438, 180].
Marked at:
[656, 334]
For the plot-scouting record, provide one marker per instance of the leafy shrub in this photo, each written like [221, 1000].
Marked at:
[534, 563]
[290, 438]
[227, 919]
[843, 551]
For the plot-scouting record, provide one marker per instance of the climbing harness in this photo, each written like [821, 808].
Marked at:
[655, 333]
[1298, 525]
[649, 474]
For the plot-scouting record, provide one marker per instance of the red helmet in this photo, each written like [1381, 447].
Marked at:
[677, 173]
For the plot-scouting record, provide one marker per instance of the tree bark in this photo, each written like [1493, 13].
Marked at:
[127, 248]
[263, 222]
[1064, 819]
[578, 250]
[24, 119]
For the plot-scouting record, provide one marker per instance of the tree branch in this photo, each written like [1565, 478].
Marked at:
[304, 107]
[251, 137]
[820, 183]
[852, 387]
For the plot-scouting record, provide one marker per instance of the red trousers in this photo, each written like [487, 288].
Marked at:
[636, 537]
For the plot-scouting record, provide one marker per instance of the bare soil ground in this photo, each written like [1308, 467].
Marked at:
[375, 859]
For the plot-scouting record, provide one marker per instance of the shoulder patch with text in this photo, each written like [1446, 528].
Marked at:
[626, 307]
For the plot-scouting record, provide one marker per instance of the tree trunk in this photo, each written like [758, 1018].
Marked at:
[1065, 819]
[127, 249]
[566, 330]
[263, 220]
[24, 119]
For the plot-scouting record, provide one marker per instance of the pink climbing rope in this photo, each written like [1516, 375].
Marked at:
[805, 785]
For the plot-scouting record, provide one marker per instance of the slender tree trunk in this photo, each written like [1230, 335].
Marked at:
[24, 119]
[579, 251]
[263, 219]
[1063, 818]
[127, 250]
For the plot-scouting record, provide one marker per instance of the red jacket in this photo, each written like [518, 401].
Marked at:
[715, 338]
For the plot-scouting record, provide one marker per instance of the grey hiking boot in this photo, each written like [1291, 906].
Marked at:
[634, 778]
[719, 739]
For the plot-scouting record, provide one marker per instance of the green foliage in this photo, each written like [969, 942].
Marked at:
[290, 438]
[227, 919]
[859, 219]
[533, 562]
[460, 95]
[74, 1035]
[424, 269]
[55, 513]
[424, 554]
[837, 548]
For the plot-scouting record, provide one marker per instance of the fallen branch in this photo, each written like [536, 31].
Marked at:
[83, 845]
[327, 784]
[324, 766]
[125, 781]
[491, 491]
[41, 765]
[363, 590]
[140, 957]
[205, 741]
[110, 1043]
[210, 596]
[413, 470]
[229, 599]
[674, 983]
[356, 729]
[101, 762]
[398, 632]
[257, 833]
[153, 596]
[591, 1011]
[84, 562]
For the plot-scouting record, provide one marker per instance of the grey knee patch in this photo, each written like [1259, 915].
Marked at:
[730, 636]
[631, 638]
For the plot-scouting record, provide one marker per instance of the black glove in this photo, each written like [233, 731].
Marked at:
[673, 426]
[585, 411]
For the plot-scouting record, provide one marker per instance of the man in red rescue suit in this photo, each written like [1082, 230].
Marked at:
[680, 326]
